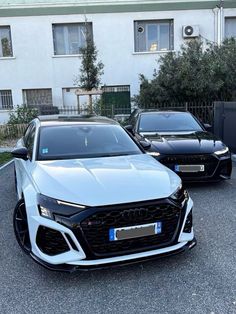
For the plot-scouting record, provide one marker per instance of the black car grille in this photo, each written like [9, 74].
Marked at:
[210, 162]
[96, 229]
[50, 241]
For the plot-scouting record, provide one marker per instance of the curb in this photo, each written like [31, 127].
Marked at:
[6, 149]
[7, 164]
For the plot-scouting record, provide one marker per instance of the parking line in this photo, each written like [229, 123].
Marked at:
[7, 164]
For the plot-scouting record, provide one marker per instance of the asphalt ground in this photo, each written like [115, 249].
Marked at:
[200, 281]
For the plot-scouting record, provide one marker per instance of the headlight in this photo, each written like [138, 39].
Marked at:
[180, 195]
[45, 212]
[222, 151]
[154, 154]
[49, 206]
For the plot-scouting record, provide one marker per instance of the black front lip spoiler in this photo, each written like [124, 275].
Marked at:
[72, 268]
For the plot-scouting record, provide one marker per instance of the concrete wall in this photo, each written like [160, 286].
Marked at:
[35, 66]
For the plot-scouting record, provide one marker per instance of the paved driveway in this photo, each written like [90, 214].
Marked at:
[201, 281]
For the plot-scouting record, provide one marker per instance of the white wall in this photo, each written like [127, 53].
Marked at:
[34, 66]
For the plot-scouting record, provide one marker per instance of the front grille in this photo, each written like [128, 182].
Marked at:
[96, 229]
[50, 241]
[209, 161]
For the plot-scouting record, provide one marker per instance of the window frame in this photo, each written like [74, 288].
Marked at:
[156, 22]
[11, 99]
[10, 39]
[229, 18]
[90, 24]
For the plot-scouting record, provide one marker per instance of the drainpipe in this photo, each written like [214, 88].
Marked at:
[222, 21]
[220, 28]
[216, 22]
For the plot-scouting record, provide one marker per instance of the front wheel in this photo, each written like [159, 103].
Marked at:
[20, 225]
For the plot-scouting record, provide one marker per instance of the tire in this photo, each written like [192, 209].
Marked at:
[20, 225]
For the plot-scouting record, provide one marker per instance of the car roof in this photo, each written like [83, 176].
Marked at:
[162, 111]
[75, 119]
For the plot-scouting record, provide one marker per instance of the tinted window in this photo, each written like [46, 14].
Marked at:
[165, 122]
[84, 141]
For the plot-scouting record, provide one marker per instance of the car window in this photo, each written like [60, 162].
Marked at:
[29, 143]
[84, 141]
[168, 122]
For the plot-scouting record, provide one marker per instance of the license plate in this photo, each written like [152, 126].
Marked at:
[189, 168]
[125, 233]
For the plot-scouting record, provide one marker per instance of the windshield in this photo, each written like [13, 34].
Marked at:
[84, 141]
[168, 122]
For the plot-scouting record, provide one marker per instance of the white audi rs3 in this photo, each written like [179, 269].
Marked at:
[89, 196]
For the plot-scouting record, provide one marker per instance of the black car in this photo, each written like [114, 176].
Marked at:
[182, 143]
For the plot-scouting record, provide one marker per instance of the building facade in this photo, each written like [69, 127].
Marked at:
[40, 42]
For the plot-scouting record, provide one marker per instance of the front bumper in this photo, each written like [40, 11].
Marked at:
[78, 256]
[217, 168]
[86, 265]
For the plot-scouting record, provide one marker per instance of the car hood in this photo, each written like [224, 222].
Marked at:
[199, 142]
[105, 181]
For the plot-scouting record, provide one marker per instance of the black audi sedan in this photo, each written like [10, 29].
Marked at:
[181, 142]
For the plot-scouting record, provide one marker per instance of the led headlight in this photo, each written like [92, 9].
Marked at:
[45, 212]
[180, 194]
[222, 151]
[154, 154]
[49, 207]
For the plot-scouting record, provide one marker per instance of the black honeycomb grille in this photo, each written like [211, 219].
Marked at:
[96, 229]
[50, 241]
[209, 161]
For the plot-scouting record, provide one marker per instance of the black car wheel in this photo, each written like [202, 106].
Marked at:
[20, 224]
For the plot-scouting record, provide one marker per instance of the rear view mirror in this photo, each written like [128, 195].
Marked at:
[145, 145]
[21, 153]
[207, 126]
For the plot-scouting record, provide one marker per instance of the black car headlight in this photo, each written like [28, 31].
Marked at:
[221, 152]
[180, 195]
[154, 154]
[49, 206]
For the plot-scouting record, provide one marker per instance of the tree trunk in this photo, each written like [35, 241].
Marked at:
[90, 106]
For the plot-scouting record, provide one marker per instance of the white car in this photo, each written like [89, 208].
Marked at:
[89, 196]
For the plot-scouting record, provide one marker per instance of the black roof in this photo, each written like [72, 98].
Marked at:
[76, 118]
[162, 110]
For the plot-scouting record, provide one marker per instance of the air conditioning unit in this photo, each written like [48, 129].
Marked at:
[191, 31]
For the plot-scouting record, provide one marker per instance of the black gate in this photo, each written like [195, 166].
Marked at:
[225, 123]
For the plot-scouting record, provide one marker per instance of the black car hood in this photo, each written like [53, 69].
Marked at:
[197, 142]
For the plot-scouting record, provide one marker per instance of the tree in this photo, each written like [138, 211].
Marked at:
[91, 69]
[195, 73]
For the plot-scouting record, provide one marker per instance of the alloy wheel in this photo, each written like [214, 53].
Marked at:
[21, 227]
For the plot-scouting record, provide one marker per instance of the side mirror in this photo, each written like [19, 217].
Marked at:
[129, 128]
[145, 145]
[207, 126]
[21, 153]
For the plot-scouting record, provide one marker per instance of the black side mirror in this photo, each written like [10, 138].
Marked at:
[129, 128]
[145, 145]
[207, 126]
[21, 153]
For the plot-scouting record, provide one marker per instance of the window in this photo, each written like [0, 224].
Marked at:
[84, 141]
[38, 97]
[6, 99]
[69, 38]
[153, 35]
[168, 122]
[230, 27]
[5, 42]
